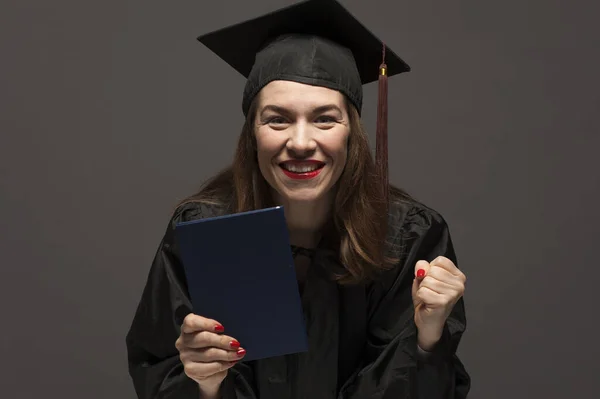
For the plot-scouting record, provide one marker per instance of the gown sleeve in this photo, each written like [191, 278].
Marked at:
[392, 366]
[153, 360]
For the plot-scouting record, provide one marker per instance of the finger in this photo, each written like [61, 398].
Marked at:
[204, 370]
[206, 339]
[437, 286]
[429, 297]
[421, 269]
[432, 299]
[444, 275]
[194, 323]
[211, 355]
[447, 264]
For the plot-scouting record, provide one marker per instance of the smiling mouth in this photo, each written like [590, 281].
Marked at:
[302, 170]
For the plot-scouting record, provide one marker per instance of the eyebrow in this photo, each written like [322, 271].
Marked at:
[275, 108]
[285, 111]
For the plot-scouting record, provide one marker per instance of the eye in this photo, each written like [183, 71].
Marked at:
[326, 119]
[276, 120]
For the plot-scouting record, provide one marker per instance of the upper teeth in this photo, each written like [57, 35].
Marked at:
[301, 168]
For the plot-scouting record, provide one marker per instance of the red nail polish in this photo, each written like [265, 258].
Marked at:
[421, 273]
[219, 328]
[241, 352]
[234, 344]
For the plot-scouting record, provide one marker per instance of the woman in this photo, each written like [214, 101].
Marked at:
[377, 272]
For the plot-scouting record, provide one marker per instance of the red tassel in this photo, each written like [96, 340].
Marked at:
[381, 153]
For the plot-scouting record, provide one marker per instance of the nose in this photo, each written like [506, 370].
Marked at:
[301, 140]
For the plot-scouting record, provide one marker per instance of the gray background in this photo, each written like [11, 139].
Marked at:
[111, 112]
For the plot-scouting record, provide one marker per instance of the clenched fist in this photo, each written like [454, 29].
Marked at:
[206, 353]
[436, 289]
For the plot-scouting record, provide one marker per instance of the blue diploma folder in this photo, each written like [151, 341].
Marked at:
[240, 272]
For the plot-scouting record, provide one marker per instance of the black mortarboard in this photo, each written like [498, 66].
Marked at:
[315, 42]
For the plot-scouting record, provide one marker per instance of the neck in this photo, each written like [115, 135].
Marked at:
[305, 221]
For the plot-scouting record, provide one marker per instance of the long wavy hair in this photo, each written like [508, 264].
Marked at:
[359, 215]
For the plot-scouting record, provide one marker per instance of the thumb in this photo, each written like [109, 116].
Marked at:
[421, 269]
[415, 287]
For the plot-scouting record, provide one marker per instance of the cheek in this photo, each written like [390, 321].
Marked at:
[266, 150]
[337, 148]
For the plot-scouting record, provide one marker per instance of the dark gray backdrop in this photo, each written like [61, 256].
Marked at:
[111, 112]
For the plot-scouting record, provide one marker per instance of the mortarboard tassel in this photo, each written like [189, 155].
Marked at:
[381, 153]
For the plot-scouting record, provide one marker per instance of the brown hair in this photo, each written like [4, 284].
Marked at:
[359, 217]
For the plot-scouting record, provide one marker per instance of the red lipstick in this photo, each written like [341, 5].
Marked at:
[302, 170]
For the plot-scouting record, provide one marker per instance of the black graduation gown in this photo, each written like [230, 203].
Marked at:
[362, 343]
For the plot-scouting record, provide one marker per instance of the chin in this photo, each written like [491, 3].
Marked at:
[301, 196]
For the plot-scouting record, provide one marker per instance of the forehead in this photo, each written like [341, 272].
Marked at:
[298, 95]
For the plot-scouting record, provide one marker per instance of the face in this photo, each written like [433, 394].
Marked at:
[302, 136]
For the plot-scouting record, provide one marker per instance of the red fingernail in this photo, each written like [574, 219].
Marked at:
[219, 328]
[241, 352]
[421, 273]
[234, 344]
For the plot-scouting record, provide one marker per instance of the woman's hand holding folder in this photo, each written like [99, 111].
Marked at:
[206, 353]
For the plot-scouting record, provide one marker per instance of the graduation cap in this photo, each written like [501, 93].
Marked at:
[316, 42]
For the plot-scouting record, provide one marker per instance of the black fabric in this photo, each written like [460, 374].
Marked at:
[305, 59]
[370, 328]
[316, 42]
[353, 331]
